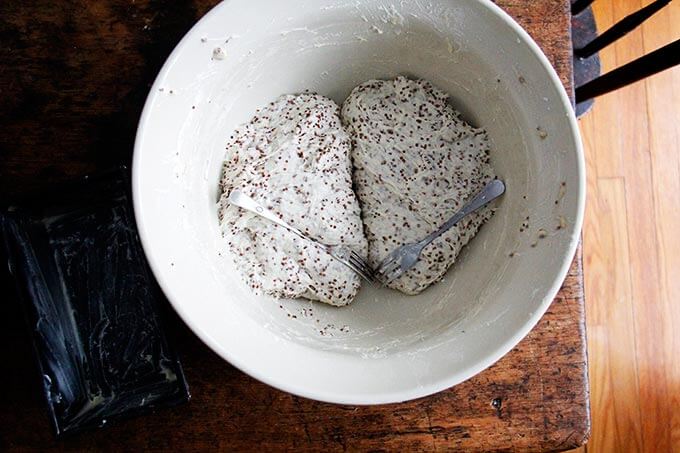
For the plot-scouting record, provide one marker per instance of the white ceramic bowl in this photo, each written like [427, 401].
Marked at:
[385, 347]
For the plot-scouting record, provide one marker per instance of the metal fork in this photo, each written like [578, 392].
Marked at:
[345, 255]
[406, 256]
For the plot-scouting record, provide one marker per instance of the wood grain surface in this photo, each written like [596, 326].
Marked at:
[632, 245]
[73, 80]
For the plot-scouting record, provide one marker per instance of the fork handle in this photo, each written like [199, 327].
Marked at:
[490, 192]
[238, 198]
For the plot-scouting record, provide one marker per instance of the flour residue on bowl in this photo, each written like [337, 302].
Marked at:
[331, 54]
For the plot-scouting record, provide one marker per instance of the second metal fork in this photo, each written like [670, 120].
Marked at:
[406, 256]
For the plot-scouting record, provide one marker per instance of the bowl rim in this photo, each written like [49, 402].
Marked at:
[387, 397]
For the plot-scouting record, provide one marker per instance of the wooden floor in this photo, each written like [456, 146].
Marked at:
[632, 246]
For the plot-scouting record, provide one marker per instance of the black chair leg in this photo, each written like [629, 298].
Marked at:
[620, 29]
[583, 31]
[657, 61]
[589, 84]
[579, 6]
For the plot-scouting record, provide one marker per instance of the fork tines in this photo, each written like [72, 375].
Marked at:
[388, 271]
[358, 265]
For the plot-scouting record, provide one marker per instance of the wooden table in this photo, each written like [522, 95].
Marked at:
[73, 79]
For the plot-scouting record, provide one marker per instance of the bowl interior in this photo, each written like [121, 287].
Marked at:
[385, 346]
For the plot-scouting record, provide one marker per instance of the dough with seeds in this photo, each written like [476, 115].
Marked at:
[415, 164]
[293, 157]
